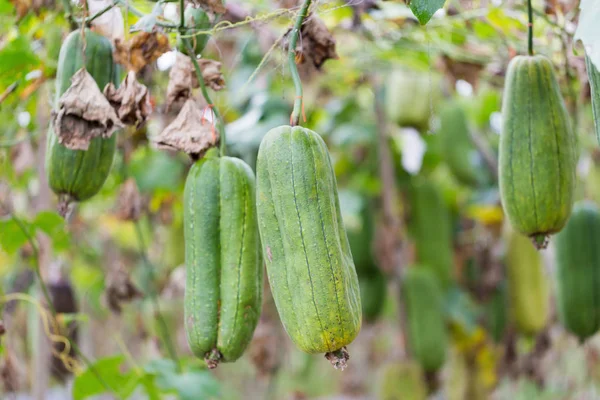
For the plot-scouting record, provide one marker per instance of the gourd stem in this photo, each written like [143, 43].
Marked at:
[218, 120]
[530, 27]
[295, 118]
[181, 15]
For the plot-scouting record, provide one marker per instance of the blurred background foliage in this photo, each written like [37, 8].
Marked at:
[429, 95]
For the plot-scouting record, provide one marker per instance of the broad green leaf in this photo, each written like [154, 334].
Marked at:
[6, 7]
[53, 225]
[424, 9]
[588, 29]
[109, 369]
[12, 236]
[189, 385]
[16, 60]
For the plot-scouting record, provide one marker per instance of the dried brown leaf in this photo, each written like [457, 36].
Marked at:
[129, 202]
[120, 289]
[211, 72]
[131, 100]
[83, 114]
[213, 6]
[316, 44]
[191, 132]
[142, 49]
[183, 78]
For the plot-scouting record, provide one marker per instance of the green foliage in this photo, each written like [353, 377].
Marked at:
[424, 9]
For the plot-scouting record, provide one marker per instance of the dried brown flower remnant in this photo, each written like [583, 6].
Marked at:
[316, 43]
[142, 49]
[183, 78]
[131, 100]
[83, 114]
[211, 72]
[119, 290]
[129, 202]
[191, 132]
[213, 6]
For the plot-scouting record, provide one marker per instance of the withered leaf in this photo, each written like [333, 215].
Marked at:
[142, 49]
[120, 289]
[183, 78]
[213, 6]
[129, 202]
[83, 114]
[131, 100]
[211, 72]
[190, 132]
[316, 43]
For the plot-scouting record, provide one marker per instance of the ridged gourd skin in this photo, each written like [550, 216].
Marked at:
[423, 305]
[457, 148]
[528, 286]
[224, 279]
[306, 250]
[431, 229]
[594, 78]
[76, 173]
[197, 18]
[578, 271]
[537, 156]
[408, 98]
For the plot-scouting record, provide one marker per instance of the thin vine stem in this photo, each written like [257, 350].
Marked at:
[166, 337]
[530, 28]
[218, 119]
[296, 111]
[101, 12]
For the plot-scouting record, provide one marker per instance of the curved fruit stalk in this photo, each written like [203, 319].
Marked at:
[578, 271]
[427, 336]
[402, 381]
[457, 148]
[77, 175]
[528, 286]
[431, 229]
[309, 264]
[224, 283]
[537, 150]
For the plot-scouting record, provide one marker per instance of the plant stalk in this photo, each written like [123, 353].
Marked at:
[297, 110]
[218, 119]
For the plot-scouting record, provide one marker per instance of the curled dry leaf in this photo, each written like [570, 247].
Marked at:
[191, 132]
[129, 202]
[213, 6]
[83, 114]
[316, 44]
[142, 49]
[211, 72]
[182, 78]
[131, 100]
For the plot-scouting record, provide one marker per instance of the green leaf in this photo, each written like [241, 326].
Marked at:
[109, 369]
[53, 225]
[588, 29]
[16, 60]
[189, 385]
[424, 9]
[6, 7]
[12, 236]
